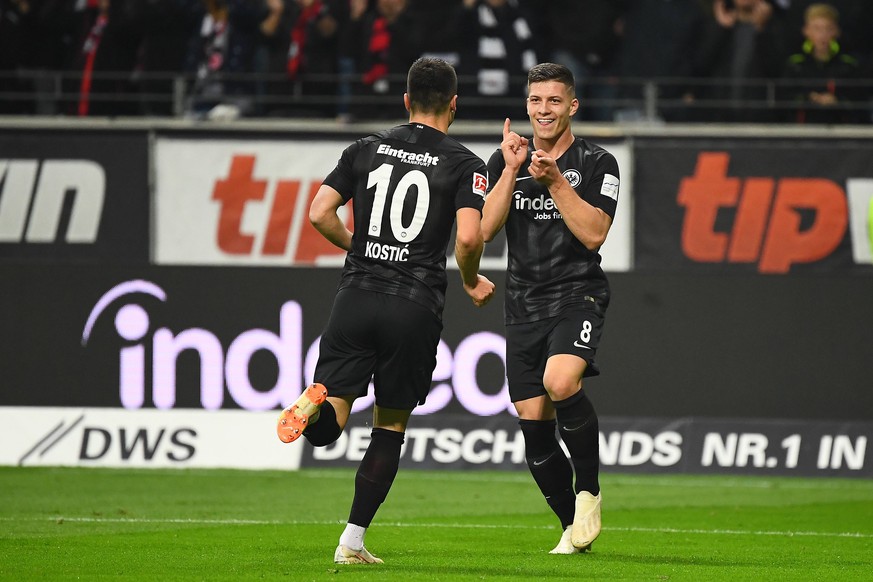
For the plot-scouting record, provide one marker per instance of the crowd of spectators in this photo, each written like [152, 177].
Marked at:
[708, 60]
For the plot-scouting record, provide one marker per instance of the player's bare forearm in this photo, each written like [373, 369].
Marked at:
[336, 232]
[323, 216]
[588, 223]
[467, 258]
[496, 210]
[497, 203]
[468, 251]
[477, 286]
[468, 244]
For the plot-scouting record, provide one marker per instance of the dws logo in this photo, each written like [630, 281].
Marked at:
[32, 200]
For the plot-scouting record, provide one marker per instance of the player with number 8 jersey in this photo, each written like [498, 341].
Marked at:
[556, 194]
[409, 186]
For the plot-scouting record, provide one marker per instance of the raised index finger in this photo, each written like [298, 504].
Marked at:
[506, 129]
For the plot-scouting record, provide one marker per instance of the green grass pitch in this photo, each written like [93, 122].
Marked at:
[100, 524]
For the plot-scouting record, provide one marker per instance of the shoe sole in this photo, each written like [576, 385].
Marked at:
[575, 550]
[294, 419]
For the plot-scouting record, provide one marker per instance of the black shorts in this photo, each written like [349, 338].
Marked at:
[383, 337]
[577, 331]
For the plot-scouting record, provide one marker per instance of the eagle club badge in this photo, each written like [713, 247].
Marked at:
[573, 176]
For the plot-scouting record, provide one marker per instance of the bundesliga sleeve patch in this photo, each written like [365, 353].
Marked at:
[610, 186]
[480, 184]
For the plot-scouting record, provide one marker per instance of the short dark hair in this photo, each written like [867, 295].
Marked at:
[552, 72]
[431, 84]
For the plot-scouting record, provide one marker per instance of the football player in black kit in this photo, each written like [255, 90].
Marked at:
[556, 195]
[410, 184]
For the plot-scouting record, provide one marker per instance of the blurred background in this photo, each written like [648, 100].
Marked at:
[690, 61]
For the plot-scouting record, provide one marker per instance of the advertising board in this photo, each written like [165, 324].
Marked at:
[246, 203]
[771, 206]
[77, 196]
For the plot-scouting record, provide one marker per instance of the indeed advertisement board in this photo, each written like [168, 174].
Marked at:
[204, 337]
[145, 339]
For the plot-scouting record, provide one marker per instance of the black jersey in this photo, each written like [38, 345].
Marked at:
[549, 268]
[407, 184]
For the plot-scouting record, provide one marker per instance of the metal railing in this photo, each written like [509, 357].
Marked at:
[690, 100]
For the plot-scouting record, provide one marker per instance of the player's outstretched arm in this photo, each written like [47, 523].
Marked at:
[468, 251]
[496, 210]
[323, 216]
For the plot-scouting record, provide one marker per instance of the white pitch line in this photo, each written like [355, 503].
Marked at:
[665, 530]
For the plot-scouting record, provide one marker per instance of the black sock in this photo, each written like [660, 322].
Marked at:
[326, 429]
[577, 423]
[550, 468]
[375, 474]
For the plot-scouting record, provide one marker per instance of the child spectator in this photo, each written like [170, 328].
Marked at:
[818, 72]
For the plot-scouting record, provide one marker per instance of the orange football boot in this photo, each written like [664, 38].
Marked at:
[294, 419]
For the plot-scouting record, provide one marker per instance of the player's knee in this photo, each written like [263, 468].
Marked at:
[561, 386]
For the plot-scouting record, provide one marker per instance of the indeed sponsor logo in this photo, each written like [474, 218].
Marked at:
[542, 203]
[149, 359]
[406, 157]
[157, 356]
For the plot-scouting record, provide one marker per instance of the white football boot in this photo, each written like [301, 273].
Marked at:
[565, 546]
[586, 521]
[346, 555]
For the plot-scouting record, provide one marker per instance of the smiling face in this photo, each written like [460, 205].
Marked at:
[550, 105]
[821, 32]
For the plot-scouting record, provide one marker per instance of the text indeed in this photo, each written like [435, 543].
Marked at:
[542, 202]
[154, 354]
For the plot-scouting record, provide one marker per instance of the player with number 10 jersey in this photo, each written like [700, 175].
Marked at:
[406, 184]
[409, 186]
